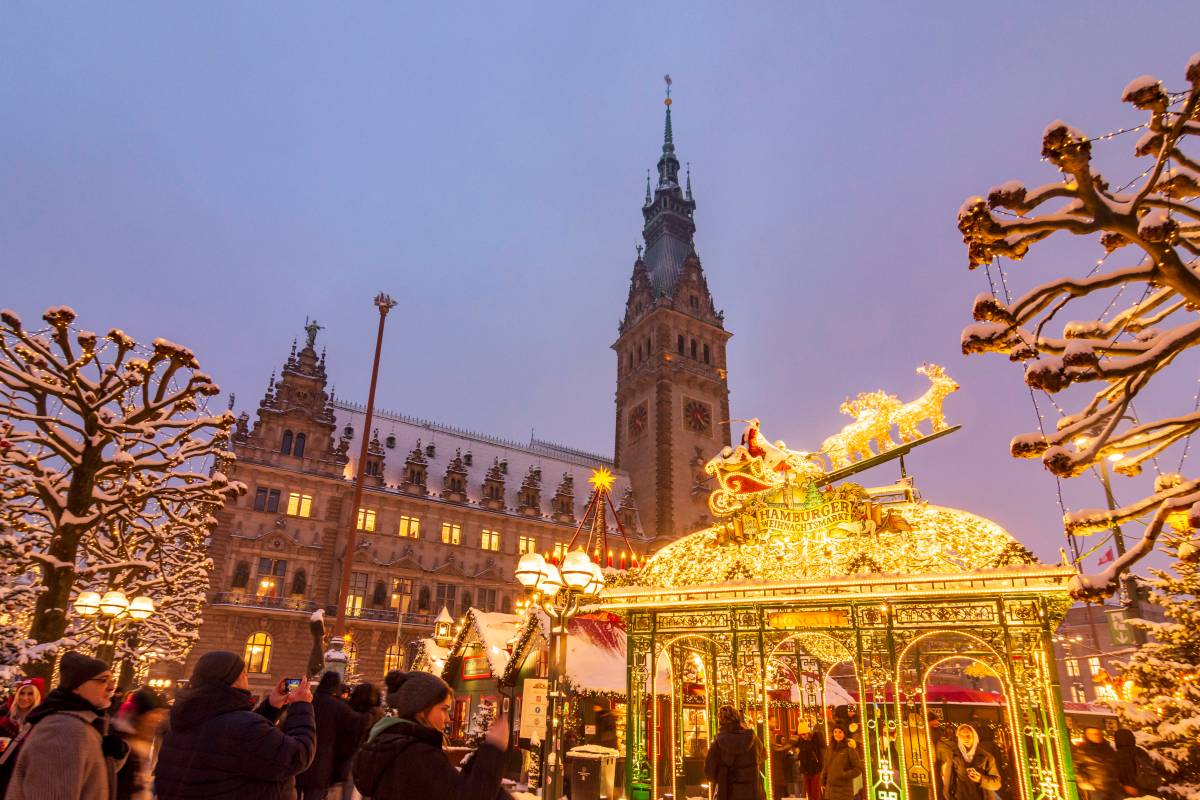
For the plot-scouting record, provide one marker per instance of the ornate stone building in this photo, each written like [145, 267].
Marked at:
[672, 376]
[445, 516]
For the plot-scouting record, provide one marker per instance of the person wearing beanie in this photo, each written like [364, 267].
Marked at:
[66, 752]
[735, 759]
[842, 765]
[339, 732]
[137, 722]
[404, 759]
[218, 748]
[26, 695]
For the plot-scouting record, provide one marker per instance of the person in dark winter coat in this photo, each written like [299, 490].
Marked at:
[973, 771]
[810, 758]
[734, 762]
[403, 758]
[217, 748]
[1096, 767]
[842, 765]
[67, 752]
[1135, 768]
[339, 732]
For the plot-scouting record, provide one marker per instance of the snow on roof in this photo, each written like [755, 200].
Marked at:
[552, 459]
[495, 631]
[429, 656]
[596, 654]
[444, 616]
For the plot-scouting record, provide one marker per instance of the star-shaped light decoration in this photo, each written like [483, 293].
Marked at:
[602, 480]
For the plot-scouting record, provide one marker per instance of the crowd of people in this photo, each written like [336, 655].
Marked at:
[213, 742]
[327, 743]
[965, 767]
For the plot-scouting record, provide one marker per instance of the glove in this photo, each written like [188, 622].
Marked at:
[114, 747]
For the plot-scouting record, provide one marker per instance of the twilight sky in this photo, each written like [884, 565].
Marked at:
[213, 173]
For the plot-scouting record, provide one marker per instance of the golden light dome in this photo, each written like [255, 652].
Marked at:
[913, 539]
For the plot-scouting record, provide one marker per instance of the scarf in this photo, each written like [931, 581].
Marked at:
[969, 755]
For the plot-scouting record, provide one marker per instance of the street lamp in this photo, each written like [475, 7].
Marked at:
[116, 610]
[561, 593]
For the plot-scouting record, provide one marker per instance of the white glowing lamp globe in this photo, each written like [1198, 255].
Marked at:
[597, 580]
[113, 604]
[141, 607]
[577, 570]
[551, 580]
[529, 569]
[88, 603]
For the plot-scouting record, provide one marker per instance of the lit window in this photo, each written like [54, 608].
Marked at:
[1106, 692]
[1094, 665]
[490, 540]
[410, 527]
[391, 658]
[356, 594]
[526, 544]
[258, 652]
[1072, 667]
[560, 550]
[299, 505]
[1079, 694]
[401, 593]
[451, 533]
[366, 519]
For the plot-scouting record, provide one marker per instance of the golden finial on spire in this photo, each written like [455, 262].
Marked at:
[667, 80]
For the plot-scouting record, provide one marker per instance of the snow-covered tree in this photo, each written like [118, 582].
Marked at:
[110, 478]
[1160, 685]
[1150, 230]
[481, 721]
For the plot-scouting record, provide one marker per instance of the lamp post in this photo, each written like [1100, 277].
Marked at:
[334, 658]
[117, 613]
[561, 593]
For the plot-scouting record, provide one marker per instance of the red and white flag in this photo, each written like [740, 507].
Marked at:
[1106, 557]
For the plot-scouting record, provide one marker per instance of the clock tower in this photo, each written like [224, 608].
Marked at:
[672, 387]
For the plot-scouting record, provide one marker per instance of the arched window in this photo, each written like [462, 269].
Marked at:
[286, 449]
[391, 658]
[423, 599]
[299, 582]
[258, 652]
[299, 449]
[241, 575]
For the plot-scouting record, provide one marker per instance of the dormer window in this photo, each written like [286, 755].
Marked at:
[298, 450]
[390, 441]
[430, 450]
[286, 447]
[348, 432]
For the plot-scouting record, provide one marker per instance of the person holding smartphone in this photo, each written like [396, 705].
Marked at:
[973, 771]
[218, 748]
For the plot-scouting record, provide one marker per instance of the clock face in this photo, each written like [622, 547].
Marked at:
[639, 418]
[697, 416]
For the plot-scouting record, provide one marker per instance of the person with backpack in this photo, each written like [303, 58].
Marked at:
[1135, 768]
[218, 748]
[67, 753]
[734, 762]
[404, 758]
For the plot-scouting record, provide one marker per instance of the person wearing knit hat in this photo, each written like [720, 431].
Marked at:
[220, 747]
[66, 751]
[404, 758]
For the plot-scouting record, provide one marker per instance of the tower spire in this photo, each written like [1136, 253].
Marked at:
[689, 180]
[668, 164]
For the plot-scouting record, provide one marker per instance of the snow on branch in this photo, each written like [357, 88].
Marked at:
[1154, 225]
[111, 475]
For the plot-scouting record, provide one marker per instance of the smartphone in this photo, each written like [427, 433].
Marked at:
[291, 684]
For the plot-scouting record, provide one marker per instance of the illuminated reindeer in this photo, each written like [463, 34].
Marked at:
[872, 420]
[926, 407]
